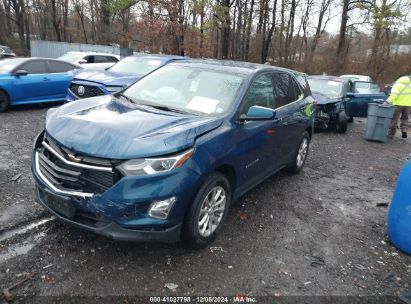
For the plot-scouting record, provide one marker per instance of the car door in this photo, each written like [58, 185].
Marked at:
[289, 106]
[60, 78]
[33, 86]
[258, 147]
[360, 98]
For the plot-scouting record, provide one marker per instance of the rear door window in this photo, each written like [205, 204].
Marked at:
[111, 59]
[35, 67]
[286, 89]
[103, 59]
[59, 67]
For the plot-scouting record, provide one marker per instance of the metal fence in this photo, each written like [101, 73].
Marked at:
[53, 49]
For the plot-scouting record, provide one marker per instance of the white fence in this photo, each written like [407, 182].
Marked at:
[53, 49]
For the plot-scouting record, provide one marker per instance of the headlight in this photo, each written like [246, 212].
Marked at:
[114, 89]
[148, 166]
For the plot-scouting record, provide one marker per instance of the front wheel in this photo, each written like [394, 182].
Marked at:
[207, 214]
[4, 101]
[300, 155]
[341, 124]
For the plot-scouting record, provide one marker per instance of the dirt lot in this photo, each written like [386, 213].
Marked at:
[317, 233]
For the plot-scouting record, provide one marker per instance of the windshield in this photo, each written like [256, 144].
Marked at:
[136, 65]
[7, 65]
[326, 87]
[72, 58]
[187, 89]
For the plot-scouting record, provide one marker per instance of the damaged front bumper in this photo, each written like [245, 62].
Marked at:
[120, 211]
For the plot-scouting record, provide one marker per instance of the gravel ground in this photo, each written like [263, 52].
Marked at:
[318, 233]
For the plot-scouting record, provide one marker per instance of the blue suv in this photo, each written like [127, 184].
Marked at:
[164, 159]
[90, 83]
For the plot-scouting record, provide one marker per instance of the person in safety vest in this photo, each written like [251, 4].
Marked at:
[400, 97]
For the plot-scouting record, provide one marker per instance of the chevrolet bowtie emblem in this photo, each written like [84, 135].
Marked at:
[73, 157]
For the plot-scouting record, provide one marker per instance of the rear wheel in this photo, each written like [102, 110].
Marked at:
[207, 214]
[301, 155]
[341, 124]
[4, 101]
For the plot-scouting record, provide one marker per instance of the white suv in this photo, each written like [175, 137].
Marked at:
[91, 60]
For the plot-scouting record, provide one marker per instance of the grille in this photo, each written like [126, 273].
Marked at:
[89, 91]
[73, 177]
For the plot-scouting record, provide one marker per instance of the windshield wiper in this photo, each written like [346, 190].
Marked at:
[128, 98]
[165, 108]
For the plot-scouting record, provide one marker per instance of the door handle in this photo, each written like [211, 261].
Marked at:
[46, 79]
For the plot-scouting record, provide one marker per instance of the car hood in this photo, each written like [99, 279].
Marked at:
[106, 127]
[107, 78]
[323, 99]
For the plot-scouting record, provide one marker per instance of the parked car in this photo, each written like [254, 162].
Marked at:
[331, 98]
[91, 60]
[338, 101]
[33, 80]
[165, 158]
[91, 83]
[6, 52]
[357, 77]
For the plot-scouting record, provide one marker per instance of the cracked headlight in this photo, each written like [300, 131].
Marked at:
[146, 166]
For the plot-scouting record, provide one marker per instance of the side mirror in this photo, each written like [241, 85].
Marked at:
[21, 73]
[82, 61]
[258, 113]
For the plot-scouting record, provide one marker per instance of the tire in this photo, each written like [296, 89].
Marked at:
[341, 124]
[4, 101]
[196, 235]
[300, 155]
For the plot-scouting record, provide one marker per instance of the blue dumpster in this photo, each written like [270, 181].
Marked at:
[399, 214]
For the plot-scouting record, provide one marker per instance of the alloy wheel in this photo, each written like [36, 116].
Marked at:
[212, 211]
[302, 152]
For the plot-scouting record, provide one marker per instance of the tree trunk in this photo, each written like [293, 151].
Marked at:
[248, 35]
[341, 52]
[55, 20]
[266, 45]
[226, 29]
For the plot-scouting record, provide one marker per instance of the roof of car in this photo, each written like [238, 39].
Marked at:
[163, 58]
[238, 67]
[92, 53]
[159, 56]
[328, 77]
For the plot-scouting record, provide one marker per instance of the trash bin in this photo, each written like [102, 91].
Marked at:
[399, 214]
[378, 121]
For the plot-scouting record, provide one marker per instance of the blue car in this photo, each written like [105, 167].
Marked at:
[33, 80]
[91, 83]
[164, 159]
[339, 100]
